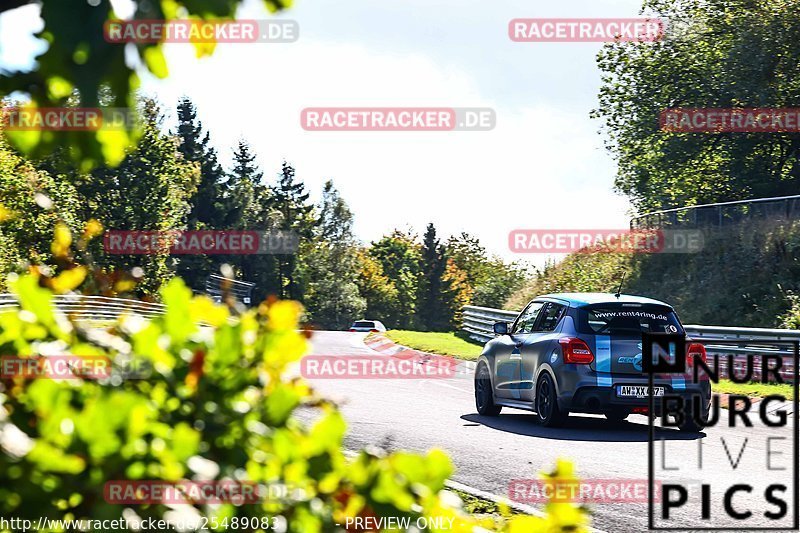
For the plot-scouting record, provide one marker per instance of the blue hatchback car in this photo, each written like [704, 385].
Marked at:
[582, 352]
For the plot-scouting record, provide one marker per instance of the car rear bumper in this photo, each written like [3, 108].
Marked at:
[594, 399]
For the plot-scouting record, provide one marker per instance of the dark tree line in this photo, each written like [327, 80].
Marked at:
[173, 180]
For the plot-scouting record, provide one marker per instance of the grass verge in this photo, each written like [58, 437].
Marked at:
[454, 344]
[485, 508]
[753, 389]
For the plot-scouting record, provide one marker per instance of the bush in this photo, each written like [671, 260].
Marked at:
[220, 403]
[791, 319]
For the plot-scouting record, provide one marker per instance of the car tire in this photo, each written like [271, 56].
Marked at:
[616, 416]
[547, 411]
[689, 424]
[484, 395]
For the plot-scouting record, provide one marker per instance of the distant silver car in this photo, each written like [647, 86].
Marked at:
[374, 326]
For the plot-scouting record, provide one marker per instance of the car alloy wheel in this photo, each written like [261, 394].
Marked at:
[547, 410]
[484, 397]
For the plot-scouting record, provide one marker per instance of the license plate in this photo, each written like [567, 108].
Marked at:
[637, 391]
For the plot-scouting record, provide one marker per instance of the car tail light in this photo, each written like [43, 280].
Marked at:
[351, 329]
[374, 331]
[641, 410]
[695, 351]
[576, 351]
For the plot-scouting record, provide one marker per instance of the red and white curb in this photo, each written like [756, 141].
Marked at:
[385, 346]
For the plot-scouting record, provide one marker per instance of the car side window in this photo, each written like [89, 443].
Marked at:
[551, 314]
[528, 318]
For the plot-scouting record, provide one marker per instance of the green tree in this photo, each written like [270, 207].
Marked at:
[246, 193]
[431, 307]
[331, 265]
[295, 214]
[149, 191]
[252, 207]
[502, 281]
[32, 202]
[399, 256]
[456, 293]
[470, 256]
[79, 61]
[491, 279]
[208, 208]
[377, 289]
[717, 54]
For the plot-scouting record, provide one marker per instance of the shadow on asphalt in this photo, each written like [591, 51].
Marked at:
[578, 428]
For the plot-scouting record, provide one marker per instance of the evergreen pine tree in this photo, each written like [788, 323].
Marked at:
[245, 190]
[252, 208]
[430, 308]
[195, 145]
[295, 215]
[208, 210]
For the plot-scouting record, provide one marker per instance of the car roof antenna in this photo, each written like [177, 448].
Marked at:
[619, 289]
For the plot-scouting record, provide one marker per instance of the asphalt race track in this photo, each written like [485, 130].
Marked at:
[420, 414]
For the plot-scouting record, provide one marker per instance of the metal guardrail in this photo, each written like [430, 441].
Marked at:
[720, 340]
[218, 286]
[478, 321]
[92, 307]
[721, 214]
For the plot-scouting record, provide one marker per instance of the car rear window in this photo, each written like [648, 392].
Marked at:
[363, 324]
[627, 320]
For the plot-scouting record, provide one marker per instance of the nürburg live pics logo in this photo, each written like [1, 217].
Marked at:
[719, 445]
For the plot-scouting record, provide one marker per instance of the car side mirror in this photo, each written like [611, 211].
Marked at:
[500, 328]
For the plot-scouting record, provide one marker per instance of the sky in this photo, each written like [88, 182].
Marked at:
[543, 166]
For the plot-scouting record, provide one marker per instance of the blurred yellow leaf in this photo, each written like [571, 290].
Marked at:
[203, 45]
[113, 141]
[283, 315]
[526, 524]
[58, 87]
[124, 285]
[6, 214]
[24, 140]
[171, 9]
[155, 61]
[21, 127]
[62, 240]
[92, 229]
[203, 309]
[69, 279]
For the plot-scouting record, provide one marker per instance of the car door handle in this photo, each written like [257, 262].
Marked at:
[516, 353]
